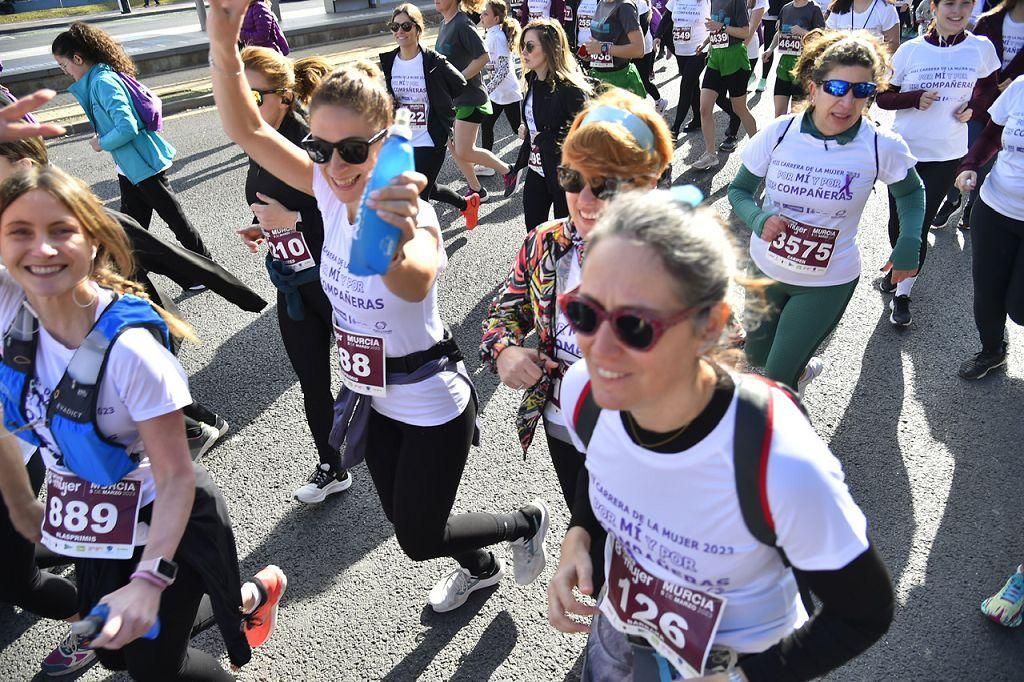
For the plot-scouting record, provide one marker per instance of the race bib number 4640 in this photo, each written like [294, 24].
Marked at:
[790, 44]
[89, 521]
[804, 248]
[678, 621]
[362, 362]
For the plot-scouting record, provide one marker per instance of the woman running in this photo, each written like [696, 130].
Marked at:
[997, 250]
[458, 40]
[683, 27]
[727, 73]
[618, 142]
[556, 91]
[709, 537]
[98, 65]
[616, 38]
[819, 168]
[501, 40]
[874, 16]
[148, 529]
[1004, 26]
[796, 19]
[291, 225]
[645, 65]
[933, 78]
[411, 411]
[426, 84]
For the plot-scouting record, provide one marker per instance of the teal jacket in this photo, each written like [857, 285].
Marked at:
[138, 152]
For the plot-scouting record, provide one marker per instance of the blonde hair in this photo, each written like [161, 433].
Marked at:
[114, 259]
[300, 77]
[471, 6]
[606, 149]
[562, 65]
[358, 87]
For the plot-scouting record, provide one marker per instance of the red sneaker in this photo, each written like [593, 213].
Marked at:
[260, 623]
[472, 212]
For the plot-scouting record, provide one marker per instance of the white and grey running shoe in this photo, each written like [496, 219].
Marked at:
[814, 368]
[454, 589]
[529, 555]
[324, 481]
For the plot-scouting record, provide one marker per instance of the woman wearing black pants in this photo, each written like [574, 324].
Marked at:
[556, 91]
[682, 27]
[645, 64]
[997, 234]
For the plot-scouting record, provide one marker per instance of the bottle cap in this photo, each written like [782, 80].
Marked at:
[402, 126]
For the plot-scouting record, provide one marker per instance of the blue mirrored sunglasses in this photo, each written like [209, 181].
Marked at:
[838, 88]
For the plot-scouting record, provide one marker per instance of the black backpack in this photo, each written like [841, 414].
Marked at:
[752, 438]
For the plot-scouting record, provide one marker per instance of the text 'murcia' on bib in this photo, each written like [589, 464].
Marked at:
[88, 521]
[290, 247]
[804, 248]
[362, 362]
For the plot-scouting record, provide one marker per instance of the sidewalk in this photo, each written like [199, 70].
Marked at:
[100, 18]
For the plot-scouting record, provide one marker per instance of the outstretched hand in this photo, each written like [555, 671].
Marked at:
[12, 123]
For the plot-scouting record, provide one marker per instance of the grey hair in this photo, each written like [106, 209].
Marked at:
[692, 244]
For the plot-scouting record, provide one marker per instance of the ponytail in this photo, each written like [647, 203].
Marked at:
[509, 26]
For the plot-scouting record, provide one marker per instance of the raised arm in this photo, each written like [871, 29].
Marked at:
[236, 107]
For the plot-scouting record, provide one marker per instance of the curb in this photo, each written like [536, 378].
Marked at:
[105, 17]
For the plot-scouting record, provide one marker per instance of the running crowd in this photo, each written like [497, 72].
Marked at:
[712, 534]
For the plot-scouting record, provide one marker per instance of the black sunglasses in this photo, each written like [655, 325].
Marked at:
[839, 88]
[529, 46]
[354, 150]
[572, 181]
[404, 26]
[258, 95]
[636, 328]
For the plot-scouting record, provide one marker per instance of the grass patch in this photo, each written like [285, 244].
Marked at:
[80, 10]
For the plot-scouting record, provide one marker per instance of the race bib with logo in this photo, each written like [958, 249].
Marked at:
[681, 34]
[679, 622]
[88, 521]
[719, 39]
[536, 165]
[290, 247]
[362, 361]
[567, 14]
[601, 61]
[419, 114]
[790, 44]
[804, 248]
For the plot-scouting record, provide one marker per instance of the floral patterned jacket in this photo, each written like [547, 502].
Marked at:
[525, 303]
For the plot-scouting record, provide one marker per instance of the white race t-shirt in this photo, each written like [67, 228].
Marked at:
[507, 92]
[142, 380]
[877, 19]
[754, 46]
[365, 305]
[1013, 39]
[688, 30]
[584, 15]
[567, 348]
[934, 134]
[1003, 189]
[679, 515]
[539, 9]
[823, 185]
[409, 82]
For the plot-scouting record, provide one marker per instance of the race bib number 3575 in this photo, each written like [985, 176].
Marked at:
[804, 249]
[678, 621]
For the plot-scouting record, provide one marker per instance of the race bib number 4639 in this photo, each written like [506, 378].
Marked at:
[362, 361]
[678, 621]
[719, 39]
[89, 521]
[804, 248]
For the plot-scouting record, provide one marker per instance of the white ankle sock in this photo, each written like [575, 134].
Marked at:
[904, 287]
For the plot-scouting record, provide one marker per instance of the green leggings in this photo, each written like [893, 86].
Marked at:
[797, 320]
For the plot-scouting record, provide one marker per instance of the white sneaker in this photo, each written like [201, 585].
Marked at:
[454, 589]
[706, 162]
[322, 482]
[483, 171]
[814, 368]
[529, 556]
[661, 105]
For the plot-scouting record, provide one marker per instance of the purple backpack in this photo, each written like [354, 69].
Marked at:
[146, 103]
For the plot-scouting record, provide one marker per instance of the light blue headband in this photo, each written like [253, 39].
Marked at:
[631, 122]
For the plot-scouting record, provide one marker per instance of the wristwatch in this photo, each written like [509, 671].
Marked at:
[160, 568]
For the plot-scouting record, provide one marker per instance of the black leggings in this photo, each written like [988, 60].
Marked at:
[416, 470]
[512, 113]
[997, 255]
[645, 65]
[155, 194]
[770, 27]
[538, 200]
[428, 161]
[690, 68]
[21, 581]
[937, 177]
[308, 344]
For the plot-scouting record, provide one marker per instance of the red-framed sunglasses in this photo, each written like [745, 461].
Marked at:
[636, 328]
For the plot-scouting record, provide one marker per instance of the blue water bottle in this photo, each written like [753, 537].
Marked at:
[90, 626]
[375, 240]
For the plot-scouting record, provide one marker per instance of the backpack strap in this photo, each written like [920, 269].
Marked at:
[585, 415]
[784, 131]
[753, 441]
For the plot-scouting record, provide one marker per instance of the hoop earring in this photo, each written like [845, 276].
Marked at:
[74, 297]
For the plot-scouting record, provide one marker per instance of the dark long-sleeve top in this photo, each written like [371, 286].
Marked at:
[986, 91]
[983, 149]
[555, 105]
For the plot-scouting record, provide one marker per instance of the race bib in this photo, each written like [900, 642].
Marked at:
[567, 14]
[585, 23]
[681, 34]
[536, 15]
[419, 113]
[536, 165]
[790, 44]
[601, 61]
[719, 39]
[803, 248]
[289, 247]
[89, 521]
[679, 622]
[361, 357]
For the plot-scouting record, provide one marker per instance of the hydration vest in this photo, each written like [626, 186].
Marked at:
[71, 413]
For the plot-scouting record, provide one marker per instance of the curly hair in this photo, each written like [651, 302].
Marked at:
[93, 45]
[825, 50]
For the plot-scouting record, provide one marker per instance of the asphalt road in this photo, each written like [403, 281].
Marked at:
[934, 461]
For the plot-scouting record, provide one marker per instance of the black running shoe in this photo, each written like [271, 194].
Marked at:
[693, 126]
[945, 211]
[980, 364]
[900, 306]
[728, 144]
[885, 284]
